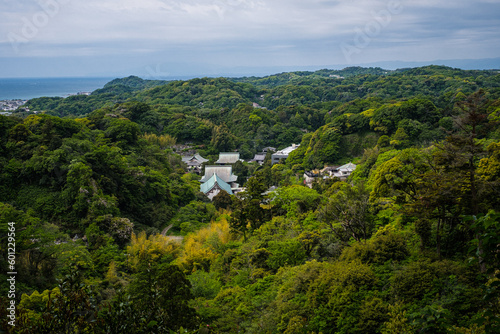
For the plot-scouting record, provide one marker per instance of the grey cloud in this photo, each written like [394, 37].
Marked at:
[247, 32]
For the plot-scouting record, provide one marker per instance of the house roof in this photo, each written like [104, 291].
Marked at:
[197, 157]
[312, 173]
[287, 151]
[348, 167]
[215, 181]
[259, 157]
[265, 149]
[228, 157]
[329, 169]
[223, 172]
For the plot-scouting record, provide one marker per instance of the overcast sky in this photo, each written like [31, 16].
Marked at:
[158, 38]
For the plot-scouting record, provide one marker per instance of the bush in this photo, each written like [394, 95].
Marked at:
[414, 281]
[204, 284]
[285, 253]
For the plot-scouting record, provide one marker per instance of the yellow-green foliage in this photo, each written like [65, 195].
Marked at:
[112, 275]
[398, 321]
[296, 325]
[201, 248]
[150, 249]
[339, 287]
[324, 293]
[233, 305]
[473, 329]
[379, 249]
[32, 121]
[368, 113]
[72, 256]
[163, 141]
[414, 281]
[489, 168]
[36, 302]
[372, 314]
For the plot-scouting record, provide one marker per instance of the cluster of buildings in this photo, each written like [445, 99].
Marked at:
[276, 156]
[261, 157]
[339, 172]
[283, 154]
[11, 105]
[219, 177]
[194, 163]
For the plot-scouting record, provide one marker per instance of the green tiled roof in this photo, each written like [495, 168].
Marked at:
[212, 182]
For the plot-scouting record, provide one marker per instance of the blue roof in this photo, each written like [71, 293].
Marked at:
[212, 182]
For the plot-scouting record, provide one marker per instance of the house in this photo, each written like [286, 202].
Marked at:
[218, 178]
[267, 149]
[224, 172]
[259, 158]
[340, 172]
[283, 154]
[328, 170]
[215, 185]
[226, 158]
[194, 162]
[310, 177]
[343, 172]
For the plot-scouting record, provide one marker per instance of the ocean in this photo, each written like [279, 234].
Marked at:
[26, 88]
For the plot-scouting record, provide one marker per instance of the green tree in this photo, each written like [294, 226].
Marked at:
[222, 200]
[161, 293]
[222, 139]
[347, 213]
[248, 213]
[123, 130]
[296, 200]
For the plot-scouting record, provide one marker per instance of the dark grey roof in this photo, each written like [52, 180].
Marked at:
[259, 157]
[194, 158]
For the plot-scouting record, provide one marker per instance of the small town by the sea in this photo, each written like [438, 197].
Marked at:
[8, 106]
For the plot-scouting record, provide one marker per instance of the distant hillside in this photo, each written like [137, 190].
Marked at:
[305, 77]
[135, 83]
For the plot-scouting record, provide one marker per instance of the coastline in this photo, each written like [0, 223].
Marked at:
[12, 89]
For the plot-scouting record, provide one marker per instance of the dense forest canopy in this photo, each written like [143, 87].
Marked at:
[113, 235]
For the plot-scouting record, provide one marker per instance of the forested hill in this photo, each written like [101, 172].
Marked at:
[112, 234]
[304, 88]
[292, 103]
